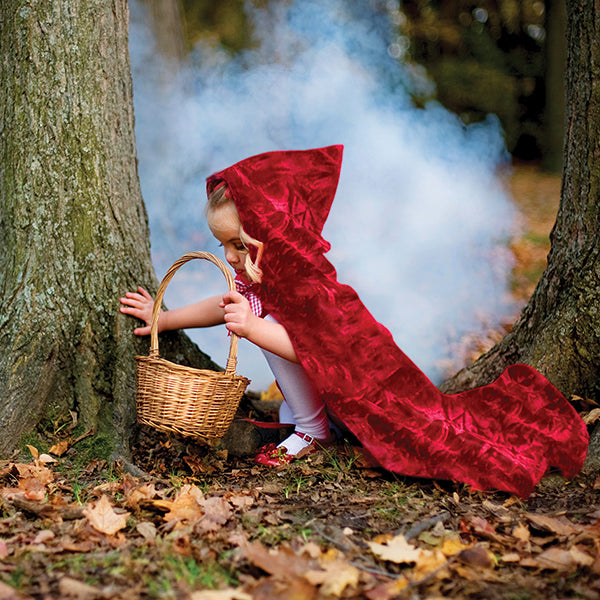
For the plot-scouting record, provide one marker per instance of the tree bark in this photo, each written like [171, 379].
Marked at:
[554, 112]
[558, 331]
[73, 228]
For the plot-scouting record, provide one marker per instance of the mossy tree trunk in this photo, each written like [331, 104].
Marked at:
[554, 112]
[73, 228]
[558, 331]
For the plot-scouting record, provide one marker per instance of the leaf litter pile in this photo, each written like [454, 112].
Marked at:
[202, 525]
[199, 524]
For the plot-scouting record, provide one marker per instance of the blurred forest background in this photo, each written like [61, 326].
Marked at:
[504, 57]
[475, 59]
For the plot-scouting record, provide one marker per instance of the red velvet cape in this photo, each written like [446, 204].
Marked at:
[501, 436]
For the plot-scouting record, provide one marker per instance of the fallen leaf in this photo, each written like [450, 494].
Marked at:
[242, 501]
[561, 526]
[186, 506]
[452, 545]
[43, 536]
[34, 451]
[139, 494]
[396, 550]
[290, 588]
[312, 550]
[478, 555]
[46, 459]
[510, 557]
[282, 562]
[34, 471]
[558, 559]
[387, 590]
[430, 561]
[336, 575]
[33, 489]
[237, 538]
[592, 416]
[4, 552]
[72, 588]
[216, 512]
[103, 518]
[147, 530]
[227, 594]
[60, 447]
[9, 593]
[521, 532]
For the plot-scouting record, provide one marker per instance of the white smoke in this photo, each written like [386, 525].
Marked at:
[419, 220]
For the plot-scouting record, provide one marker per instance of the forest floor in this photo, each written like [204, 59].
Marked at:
[200, 524]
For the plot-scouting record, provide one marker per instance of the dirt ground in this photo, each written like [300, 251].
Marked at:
[202, 524]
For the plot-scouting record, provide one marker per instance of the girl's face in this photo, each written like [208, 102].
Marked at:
[224, 224]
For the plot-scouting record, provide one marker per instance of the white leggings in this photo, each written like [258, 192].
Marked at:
[302, 405]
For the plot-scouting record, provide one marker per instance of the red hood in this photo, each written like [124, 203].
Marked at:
[285, 196]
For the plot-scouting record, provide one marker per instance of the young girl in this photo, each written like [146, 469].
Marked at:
[325, 348]
[243, 315]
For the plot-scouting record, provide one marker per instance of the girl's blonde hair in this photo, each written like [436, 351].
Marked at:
[218, 198]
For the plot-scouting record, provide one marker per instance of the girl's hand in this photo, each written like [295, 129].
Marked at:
[139, 304]
[239, 317]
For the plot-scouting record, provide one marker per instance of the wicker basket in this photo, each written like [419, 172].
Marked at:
[193, 402]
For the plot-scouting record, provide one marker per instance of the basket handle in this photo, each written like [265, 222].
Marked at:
[232, 358]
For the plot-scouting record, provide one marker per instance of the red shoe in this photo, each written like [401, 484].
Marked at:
[277, 456]
[273, 456]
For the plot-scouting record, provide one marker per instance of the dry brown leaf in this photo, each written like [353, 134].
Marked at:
[71, 546]
[72, 588]
[187, 505]
[559, 559]
[290, 588]
[144, 492]
[43, 536]
[227, 594]
[242, 501]
[34, 471]
[334, 576]
[521, 532]
[484, 528]
[479, 556]
[282, 562]
[103, 518]
[510, 557]
[46, 459]
[592, 416]
[33, 489]
[217, 512]
[237, 538]
[429, 562]
[34, 451]
[396, 550]
[312, 550]
[387, 590]
[147, 529]
[452, 545]
[60, 447]
[4, 552]
[9, 593]
[560, 526]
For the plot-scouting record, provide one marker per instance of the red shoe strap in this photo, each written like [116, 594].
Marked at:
[305, 437]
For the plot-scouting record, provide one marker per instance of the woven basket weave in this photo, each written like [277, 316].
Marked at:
[193, 402]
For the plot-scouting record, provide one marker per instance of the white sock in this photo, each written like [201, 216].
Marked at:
[294, 444]
[303, 405]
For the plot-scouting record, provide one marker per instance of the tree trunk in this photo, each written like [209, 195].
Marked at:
[167, 26]
[73, 227]
[554, 112]
[558, 331]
